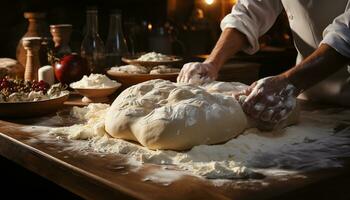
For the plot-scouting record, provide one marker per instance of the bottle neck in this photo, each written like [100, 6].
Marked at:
[115, 24]
[92, 22]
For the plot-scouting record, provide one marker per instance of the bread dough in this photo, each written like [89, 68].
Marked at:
[230, 88]
[131, 69]
[163, 69]
[226, 88]
[12, 68]
[161, 114]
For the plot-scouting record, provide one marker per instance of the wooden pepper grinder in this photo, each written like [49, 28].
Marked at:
[32, 46]
[37, 27]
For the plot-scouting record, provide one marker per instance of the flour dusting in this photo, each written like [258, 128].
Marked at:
[316, 142]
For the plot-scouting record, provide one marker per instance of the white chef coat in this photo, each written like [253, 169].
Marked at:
[312, 22]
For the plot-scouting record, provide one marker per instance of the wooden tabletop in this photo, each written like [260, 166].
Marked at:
[93, 176]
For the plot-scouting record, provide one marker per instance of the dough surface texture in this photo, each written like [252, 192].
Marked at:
[160, 114]
[131, 69]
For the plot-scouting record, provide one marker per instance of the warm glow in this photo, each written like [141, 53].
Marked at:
[209, 2]
[149, 26]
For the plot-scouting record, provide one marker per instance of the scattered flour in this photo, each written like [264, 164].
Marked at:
[313, 143]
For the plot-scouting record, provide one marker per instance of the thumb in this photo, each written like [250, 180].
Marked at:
[242, 95]
[244, 92]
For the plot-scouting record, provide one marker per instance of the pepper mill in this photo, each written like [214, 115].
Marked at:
[32, 46]
[61, 36]
[37, 27]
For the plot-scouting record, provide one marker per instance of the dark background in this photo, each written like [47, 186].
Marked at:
[13, 25]
[137, 14]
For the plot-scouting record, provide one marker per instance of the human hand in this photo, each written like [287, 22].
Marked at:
[197, 73]
[269, 100]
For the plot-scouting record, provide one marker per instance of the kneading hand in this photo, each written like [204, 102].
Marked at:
[269, 100]
[197, 73]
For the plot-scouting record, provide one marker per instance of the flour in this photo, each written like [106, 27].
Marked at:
[311, 144]
[95, 81]
[130, 69]
[93, 124]
[153, 56]
[163, 176]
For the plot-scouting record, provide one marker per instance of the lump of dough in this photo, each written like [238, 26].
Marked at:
[229, 88]
[160, 114]
[163, 69]
[131, 69]
[12, 68]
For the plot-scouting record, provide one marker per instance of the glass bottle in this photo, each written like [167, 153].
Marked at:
[116, 46]
[92, 47]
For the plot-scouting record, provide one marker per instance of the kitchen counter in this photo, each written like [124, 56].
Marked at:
[93, 176]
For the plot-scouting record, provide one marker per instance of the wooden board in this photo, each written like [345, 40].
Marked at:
[93, 176]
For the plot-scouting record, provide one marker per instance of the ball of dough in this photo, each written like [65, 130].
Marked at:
[160, 114]
[230, 88]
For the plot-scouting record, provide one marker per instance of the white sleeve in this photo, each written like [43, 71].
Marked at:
[253, 18]
[337, 34]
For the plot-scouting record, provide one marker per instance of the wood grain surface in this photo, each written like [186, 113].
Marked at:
[96, 176]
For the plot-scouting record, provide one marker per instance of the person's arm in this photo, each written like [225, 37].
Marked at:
[242, 28]
[332, 54]
[230, 42]
[319, 65]
[270, 100]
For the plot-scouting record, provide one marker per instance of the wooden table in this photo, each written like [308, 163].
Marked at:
[93, 176]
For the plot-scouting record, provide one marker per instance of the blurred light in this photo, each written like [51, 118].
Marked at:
[149, 26]
[209, 2]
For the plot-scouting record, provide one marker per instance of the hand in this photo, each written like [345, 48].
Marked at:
[269, 100]
[197, 73]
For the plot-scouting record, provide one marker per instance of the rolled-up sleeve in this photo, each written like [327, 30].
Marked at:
[337, 34]
[252, 18]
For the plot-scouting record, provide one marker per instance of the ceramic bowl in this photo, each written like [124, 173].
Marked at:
[149, 64]
[96, 95]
